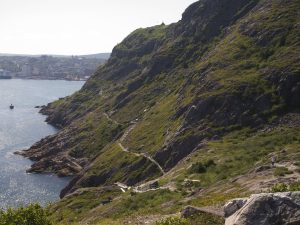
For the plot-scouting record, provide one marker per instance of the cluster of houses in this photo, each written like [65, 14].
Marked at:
[5, 74]
[48, 67]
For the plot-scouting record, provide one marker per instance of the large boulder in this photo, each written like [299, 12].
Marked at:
[234, 205]
[265, 209]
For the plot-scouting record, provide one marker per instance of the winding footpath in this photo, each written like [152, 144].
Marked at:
[143, 155]
[124, 136]
[136, 189]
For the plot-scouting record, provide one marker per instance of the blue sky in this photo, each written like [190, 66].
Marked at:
[78, 26]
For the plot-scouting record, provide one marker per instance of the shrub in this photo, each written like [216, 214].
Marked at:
[33, 214]
[294, 186]
[281, 187]
[200, 219]
[200, 167]
[205, 219]
[297, 163]
[281, 171]
[173, 221]
[210, 163]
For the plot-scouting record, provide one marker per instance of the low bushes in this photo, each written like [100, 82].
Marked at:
[281, 171]
[281, 187]
[33, 214]
[173, 221]
[201, 167]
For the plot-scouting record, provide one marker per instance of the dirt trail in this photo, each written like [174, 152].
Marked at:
[126, 150]
[154, 161]
[124, 136]
[130, 128]
[142, 155]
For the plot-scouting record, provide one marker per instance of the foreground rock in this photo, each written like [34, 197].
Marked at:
[266, 209]
[233, 206]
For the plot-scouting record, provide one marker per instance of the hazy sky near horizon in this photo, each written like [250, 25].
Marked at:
[78, 26]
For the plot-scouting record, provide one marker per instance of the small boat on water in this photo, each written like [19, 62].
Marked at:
[11, 106]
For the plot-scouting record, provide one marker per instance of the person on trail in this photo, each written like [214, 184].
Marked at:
[273, 160]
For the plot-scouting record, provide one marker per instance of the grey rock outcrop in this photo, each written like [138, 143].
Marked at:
[266, 209]
[233, 206]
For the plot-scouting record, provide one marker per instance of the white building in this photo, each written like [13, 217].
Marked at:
[4, 73]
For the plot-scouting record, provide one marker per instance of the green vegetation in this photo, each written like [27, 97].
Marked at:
[202, 168]
[136, 38]
[74, 208]
[239, 152]
[116, 165]
[205, 219]
[173, 221]
[30, 215]
[219, 197]
[149, 134]
[281, 171]
[150, 203]
[281, 187]
[88, 144]
[86, 203]
[199, 219]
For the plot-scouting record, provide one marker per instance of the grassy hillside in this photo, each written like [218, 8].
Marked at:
[198, 106]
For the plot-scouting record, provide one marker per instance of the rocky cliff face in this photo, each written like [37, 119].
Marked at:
[168, 92]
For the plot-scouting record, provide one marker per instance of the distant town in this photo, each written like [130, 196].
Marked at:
[50, 67]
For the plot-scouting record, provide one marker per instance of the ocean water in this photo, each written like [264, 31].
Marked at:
[19, 129]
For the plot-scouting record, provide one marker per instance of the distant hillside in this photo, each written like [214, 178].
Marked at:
[97, 56]
[51, 66]
[185, 114]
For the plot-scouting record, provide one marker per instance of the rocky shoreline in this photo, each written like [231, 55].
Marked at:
[48, 154]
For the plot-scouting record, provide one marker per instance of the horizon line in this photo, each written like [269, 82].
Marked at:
[50, 54]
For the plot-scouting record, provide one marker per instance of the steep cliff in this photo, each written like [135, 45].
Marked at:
[209, 97]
